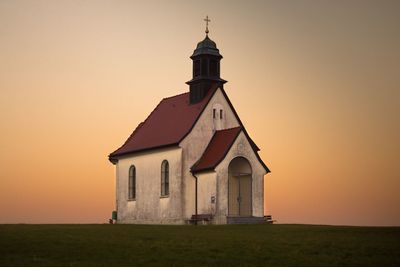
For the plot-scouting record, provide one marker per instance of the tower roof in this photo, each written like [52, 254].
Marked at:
[206, 47]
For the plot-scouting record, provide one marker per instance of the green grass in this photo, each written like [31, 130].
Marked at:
[229, 245]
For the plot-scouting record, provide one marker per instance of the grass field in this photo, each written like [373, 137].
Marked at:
[229, 245]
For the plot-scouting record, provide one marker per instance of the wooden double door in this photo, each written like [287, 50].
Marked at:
[239, 195]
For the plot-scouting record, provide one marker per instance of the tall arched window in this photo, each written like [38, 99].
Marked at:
[164, 178]
[132, 183]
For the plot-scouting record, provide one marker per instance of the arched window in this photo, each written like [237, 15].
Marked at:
[164, 178]
[132, 183]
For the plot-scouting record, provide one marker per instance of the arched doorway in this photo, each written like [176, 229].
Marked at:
[239, 187]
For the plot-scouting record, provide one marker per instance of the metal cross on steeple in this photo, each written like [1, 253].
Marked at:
[207, 20]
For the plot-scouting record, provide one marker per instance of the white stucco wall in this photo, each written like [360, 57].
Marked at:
[206, 190]
[149, 207]
[196, 142]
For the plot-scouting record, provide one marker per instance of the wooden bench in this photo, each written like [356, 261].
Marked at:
[268, 219]
[203, 218]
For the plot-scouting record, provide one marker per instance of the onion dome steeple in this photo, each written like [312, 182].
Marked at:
[206, 68]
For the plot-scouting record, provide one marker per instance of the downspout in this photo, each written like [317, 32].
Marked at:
[195, 197]
[116, 189]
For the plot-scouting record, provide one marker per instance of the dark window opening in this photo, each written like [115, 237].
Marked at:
[164, 178]
[132, 183]
[220, 113]
[214, 113]
[213, 68]
[204, 67]
[196, 68]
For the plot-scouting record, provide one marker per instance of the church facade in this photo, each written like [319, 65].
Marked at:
[191, 157]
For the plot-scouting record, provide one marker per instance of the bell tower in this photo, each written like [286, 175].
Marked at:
[206, 68]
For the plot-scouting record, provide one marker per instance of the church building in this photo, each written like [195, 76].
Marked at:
[192, 157]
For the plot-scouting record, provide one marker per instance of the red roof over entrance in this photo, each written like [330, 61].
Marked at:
[217, 149]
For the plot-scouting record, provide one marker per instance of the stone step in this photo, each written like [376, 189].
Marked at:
[246, 220]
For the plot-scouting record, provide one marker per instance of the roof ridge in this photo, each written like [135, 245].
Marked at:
[168, 97]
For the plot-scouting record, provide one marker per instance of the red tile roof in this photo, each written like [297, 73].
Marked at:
[217, 149]
[167, 124]
[170, 122]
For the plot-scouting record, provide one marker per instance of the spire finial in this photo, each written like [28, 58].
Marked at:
[207, 20]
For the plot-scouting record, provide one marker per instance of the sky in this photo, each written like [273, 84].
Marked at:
[316, 84]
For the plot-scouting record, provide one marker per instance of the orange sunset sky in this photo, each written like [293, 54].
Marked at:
[316, 83]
